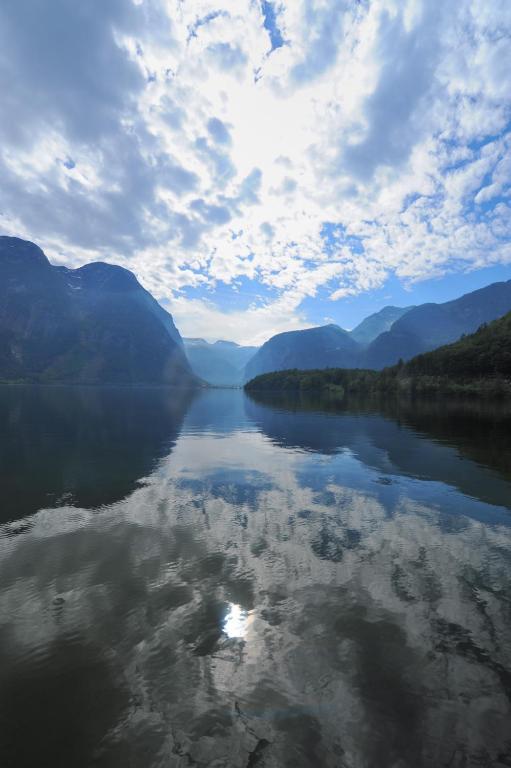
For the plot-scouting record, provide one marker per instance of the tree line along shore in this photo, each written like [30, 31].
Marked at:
[478, 365]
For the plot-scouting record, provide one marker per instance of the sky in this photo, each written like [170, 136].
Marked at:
[262, 166]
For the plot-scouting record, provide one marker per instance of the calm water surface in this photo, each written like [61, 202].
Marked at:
[218, 581]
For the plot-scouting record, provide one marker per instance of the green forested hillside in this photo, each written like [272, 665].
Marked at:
[478, 364]
[429, 326]
[334, 380]
[483, 354]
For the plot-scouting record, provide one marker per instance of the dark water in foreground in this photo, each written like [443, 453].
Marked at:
[223, 582]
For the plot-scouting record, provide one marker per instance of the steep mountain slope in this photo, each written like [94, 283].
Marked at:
[221, 363]
[411, 331]
[484, 354]
[95, 324]
[325, 347]
[429, 326]
[370, 328]
[478, 364]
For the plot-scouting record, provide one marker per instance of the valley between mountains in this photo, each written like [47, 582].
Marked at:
[98, 325]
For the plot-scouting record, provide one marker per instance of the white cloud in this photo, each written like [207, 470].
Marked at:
[184, 147]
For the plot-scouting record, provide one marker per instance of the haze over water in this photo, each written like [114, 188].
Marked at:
[212, 580]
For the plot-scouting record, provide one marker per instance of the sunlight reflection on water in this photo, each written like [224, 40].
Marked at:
[283, 586]
[236, 622]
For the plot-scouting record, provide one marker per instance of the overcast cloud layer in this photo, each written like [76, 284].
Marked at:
[276, 148]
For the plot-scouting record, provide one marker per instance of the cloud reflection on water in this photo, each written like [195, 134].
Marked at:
[255, 597]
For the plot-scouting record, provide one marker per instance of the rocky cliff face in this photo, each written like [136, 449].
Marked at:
[92, 325]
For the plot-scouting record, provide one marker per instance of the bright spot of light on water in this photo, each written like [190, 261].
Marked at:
[236, 621]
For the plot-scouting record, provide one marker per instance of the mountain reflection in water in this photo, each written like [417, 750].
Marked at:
[219, 581]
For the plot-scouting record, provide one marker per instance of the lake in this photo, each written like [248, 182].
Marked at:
[212, 580]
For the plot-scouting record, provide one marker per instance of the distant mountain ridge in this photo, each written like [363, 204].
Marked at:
[97, 324]
[478, 364]
[370, 328]
[91, 325]
[413, 331]
[221, 363]
[429, 326]
[327, 345]
[484, 354]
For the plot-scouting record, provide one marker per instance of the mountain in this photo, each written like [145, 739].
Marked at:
[237, 355]
[382, 339]
[221, 363]
[91, 325]
[88, 445]
[477, 364]
[429, 326]
[485, 354]
[370, 328]
[325, 347]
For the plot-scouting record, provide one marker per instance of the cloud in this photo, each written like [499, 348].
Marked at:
[321, 26]
[216, 214]
[200, 144]
[218, 131]
[227, 57]
[394, 115]
[61, 64]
